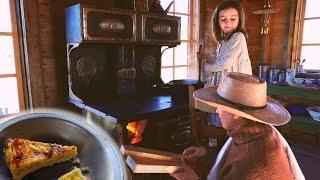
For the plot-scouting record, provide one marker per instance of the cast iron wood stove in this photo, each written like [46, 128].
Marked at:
[114, 66]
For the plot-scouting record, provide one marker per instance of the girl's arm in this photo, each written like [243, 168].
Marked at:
[231, 54]
[210, 60]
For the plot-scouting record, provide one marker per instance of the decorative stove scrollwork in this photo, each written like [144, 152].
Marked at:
[148, 65]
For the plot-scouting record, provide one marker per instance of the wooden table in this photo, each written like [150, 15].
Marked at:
[303, 124]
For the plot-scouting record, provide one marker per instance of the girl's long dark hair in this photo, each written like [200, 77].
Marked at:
[218, 35]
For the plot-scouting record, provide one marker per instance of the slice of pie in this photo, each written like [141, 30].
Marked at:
[23, 156]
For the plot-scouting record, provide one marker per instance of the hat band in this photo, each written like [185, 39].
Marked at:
[240, 105]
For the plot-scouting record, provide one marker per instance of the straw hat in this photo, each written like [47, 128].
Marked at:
[243, 95]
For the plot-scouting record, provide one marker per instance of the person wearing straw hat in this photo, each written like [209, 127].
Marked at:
[255, 149]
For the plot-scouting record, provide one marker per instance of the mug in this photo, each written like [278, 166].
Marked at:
[3, 111]
[299, 68]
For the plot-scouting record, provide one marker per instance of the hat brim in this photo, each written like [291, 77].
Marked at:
[273, 113]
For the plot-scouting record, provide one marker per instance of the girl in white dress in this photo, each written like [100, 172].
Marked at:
[232, 51]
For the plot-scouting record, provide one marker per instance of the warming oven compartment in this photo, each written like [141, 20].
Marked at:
[157, 29]
[87, 24]
[109, 25]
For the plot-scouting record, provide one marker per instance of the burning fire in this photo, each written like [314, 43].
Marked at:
[136, 129]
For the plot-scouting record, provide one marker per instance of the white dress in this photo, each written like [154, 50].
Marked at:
[231, 56]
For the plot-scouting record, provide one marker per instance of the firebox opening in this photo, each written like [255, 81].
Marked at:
[166, 133]
[135, 130]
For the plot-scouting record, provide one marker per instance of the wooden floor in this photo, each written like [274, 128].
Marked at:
[308, 157]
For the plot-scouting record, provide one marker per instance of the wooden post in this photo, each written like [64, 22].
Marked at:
[193, 117]
[200, 60]
[33, 57]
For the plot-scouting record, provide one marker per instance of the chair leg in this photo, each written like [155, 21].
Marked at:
[193, 117]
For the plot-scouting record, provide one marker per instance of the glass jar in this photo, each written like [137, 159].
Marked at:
[282, 76]
[273, 75]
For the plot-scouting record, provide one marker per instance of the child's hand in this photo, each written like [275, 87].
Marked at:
[201, 55]
[194, 152]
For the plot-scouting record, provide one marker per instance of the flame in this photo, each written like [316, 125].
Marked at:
[136, 128]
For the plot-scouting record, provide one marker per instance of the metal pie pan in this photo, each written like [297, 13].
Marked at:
[96, 149]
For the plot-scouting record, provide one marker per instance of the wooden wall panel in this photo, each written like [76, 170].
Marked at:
[278, 34]
[276, 40]
[33, 57]
[293, 32]
[276, 52]
[45, 11]
[46, 39]
[206, 14]
[255, 37]
[282, 16]
[253, 25]
[48, 54]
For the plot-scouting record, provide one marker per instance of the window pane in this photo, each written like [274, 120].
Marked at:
[184, 27]
[311, 54]
[181, 54]
[312, 8]
[5, 18]
[182, 6]
[165, 4]
[167, 57]
[311, 31]
[9, 101]
[7, 63]
[181, 73]
[167, 74]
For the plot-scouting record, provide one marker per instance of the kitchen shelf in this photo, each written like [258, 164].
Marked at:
[303, 123]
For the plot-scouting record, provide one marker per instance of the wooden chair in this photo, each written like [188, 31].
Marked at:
[199, 127]
[202, 133]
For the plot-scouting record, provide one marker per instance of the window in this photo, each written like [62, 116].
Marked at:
[309, 43]
[178, 62]
[11, 91]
